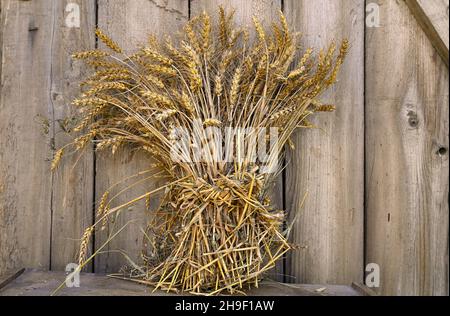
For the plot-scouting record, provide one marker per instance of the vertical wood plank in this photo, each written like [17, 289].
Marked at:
[1, 42]
[129, 23]
[432, 16]
[72, 194]
[25, 149]
[267, 11]
[407, 161]
[328, 162]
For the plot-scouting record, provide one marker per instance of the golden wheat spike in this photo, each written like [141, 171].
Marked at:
[90, 54]
[57, 158]
[108, 41]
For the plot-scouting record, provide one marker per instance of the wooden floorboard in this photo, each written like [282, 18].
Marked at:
[39, 283]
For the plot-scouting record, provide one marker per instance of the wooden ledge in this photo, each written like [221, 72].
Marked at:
[27, 282]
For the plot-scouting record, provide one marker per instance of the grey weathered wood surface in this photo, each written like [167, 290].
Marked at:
[327, 163]
[37, 283]
[407, 165]
[25, 147]
[267, 11]
[433, 18]
[9, 277]
[72, 182]
[42, 214]
[130, 23]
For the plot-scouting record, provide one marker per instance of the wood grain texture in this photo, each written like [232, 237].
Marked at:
[129, 23]
[38, 283]
[407, 163]
[432, 15]
[72, 193]
[267, 11]
[1, 41]
[328, 162]
[25, 146]
[9, 276]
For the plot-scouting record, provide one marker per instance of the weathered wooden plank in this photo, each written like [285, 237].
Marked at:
[8, 277]
[129, 23]
[72, 195]
[36, 283]
[363, 289]
[432, 16]
[328, 162]
[407, 161]
[71, 203]
[25, 178]
[1, 40]
[267, 11]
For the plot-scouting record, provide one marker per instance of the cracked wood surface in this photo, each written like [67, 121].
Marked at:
[38, 283]
[432, 16]
[40, 214]
[25, 181]
[72, 189]
[327, 163]
[407, 164]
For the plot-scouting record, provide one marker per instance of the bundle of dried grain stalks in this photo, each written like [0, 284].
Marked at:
[214, 230]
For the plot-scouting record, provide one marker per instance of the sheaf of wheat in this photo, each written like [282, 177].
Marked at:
[215, 229]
